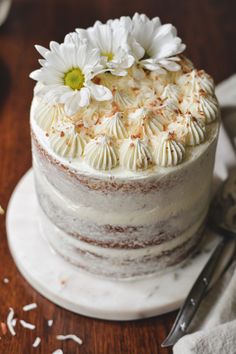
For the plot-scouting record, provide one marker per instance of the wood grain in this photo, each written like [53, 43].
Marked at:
[207, 27]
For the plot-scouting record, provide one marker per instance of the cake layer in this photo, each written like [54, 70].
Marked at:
[103, 226]
[122, 263]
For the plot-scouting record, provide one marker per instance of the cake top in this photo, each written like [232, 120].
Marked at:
[122, 94]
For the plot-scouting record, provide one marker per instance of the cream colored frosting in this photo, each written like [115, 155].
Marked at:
[203, 106]
[128, 130]
[100, 153]
[147, 120]
[171, 91]
[168, 151]
[68, 144]
[135, 155]
[113, 126]
[188, 130]
[195, 81]
[46, 115]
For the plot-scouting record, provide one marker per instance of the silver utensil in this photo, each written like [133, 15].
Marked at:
[222, 219]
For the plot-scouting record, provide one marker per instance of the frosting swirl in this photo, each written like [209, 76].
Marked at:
[203, 106]
[151, 122]
[114, 126]
[135, 155]
[67, 143]
[47, 115]
[100, 153]
[195, 81]
[172, 92]
[168, 151]
[124, 99]
[188, 130]
[208, 108]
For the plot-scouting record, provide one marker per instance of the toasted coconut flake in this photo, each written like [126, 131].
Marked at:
[4, 328]
[10, 318]
[70, 336]
[30, 307]
[36, 342]
[27, 325]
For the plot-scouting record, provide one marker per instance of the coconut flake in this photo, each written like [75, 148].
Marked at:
[70, 336]
[10, 318]
[13, 322]
[50, 323]
[27, 325]
[36, 342]
[30, 307]
[9, 321]
[4, 328]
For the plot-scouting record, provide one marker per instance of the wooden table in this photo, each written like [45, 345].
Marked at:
[209, 30]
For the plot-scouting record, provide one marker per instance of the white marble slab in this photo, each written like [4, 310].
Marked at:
[82, 292]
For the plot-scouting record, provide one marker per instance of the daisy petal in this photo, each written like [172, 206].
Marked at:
[99, 92]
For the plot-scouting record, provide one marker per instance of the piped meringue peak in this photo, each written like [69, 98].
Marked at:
[122, 94]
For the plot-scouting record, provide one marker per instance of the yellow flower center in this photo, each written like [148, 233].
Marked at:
[74, 78]
[109, 56]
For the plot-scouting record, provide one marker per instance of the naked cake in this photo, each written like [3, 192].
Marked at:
[124, 131]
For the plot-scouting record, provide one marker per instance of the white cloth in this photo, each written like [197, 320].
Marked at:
[213, 331]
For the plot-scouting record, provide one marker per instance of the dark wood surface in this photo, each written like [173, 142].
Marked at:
[208, 28]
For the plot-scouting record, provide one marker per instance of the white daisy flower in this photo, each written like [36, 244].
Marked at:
[111, 40]
[154, 45]
[67, 72]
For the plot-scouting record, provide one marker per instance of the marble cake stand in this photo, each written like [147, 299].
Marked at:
[84, 293]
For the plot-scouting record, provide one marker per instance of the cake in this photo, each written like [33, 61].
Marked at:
[124, 132]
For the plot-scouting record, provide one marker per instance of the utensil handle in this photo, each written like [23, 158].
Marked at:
[194, 297]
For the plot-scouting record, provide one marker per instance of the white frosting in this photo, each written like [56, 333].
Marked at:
[204, 106]
[67, 144]
[209, 108]
[143, 105]
[135, 155]
[171, 91]
[100, 153]
[195, 81]
[124, 99]
[46, 115]
[188, 130]
[150, 122]
[114, 127]
[168, 152]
